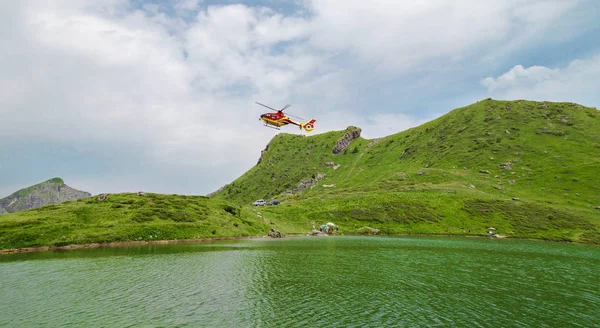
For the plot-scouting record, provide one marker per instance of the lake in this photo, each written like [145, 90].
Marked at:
[312, 281]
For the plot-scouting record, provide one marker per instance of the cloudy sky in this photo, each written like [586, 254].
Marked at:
[127, 95]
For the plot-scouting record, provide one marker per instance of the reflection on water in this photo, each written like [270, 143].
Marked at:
[345, 281]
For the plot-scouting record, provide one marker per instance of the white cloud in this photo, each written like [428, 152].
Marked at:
[408, 35]
[577, 82]
[176, 91]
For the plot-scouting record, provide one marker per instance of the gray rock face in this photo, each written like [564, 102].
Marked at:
[53, 191]
[351, 134]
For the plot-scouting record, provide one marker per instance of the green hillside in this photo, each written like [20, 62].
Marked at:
[457, 174]
[128, 217]
[528, 169]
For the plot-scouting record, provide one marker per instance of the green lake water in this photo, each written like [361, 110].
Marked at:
[307, 282]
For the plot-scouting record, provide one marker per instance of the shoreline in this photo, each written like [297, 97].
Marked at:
[202, 240]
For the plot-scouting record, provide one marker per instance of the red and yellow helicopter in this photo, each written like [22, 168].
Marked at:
[278, 119]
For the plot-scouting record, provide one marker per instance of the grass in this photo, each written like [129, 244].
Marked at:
[447, 176]
[128, 217]
[456, 175]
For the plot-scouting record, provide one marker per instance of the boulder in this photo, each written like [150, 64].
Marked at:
[484, 171]
[516, 198]
[103, 197]
[275, 233]
[141, 193]
[329, 164]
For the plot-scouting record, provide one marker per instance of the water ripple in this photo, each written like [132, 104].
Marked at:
[321, 282]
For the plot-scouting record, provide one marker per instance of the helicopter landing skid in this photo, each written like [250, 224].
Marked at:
[272, 127]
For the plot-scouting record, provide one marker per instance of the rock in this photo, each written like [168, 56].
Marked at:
[507, 108]
[320, 176]
[304, 184]
[3, 211]
[498, 187]
[329, 164]
[352, 133]
[419, 173]
[337, 166]
[484, 171]
[506, 131]
[511, 182]
[275, 233]
[329, 185]
[368, 231]
[515, 198]
[545, 105]
[472, 186]
[216, 192]
[141, 193]
[496, 176]
[103, 197]
[598, 207]
[464, 168]
[315, 232]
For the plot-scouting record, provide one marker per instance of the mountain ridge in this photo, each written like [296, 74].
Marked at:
[51, 191]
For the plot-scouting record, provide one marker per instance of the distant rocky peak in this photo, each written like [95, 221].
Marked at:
[52, 191]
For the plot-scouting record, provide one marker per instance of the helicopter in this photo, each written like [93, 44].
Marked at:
[278, 119]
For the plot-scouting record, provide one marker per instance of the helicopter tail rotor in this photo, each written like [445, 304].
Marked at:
[308, 126]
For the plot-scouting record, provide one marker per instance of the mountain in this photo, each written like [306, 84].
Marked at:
[52, 191]
[529, 169]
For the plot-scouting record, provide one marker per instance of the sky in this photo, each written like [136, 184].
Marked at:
[129, 95]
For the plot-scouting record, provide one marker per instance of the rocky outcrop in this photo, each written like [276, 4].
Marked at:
[53, 191]
[262, 153]
[352, 133]
[216, 192]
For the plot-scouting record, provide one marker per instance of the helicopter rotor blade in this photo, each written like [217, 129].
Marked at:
[271, 108]
[296, 117]
[286, 106]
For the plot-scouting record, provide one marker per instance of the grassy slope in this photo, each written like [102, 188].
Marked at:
[554, 153]
[127, 217]
[552, 150]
